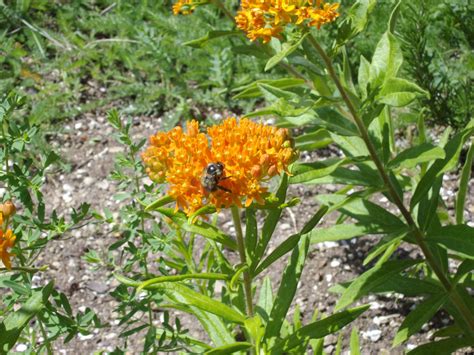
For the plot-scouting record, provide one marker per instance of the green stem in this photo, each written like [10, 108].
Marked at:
[49, 348]
[418, 234]
[243, 259]
[221, 6]
[25, 269]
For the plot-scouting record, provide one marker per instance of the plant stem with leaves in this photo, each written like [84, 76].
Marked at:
[450, 288]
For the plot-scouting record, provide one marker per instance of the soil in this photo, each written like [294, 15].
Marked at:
[88, 145]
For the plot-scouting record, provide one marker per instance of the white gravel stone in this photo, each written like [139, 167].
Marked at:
[85, 337]
[372, 335]
[335, 263]
[21, 348]
[328, 245]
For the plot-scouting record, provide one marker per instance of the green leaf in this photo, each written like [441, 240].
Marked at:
[355, 21]
[334, 121]
[183, 295]
[13, 324]
[354, 342]
[366, 212]
[287, 289]
[463, 184]
[458, 238]
[304, 172]
[384, 244]
[214, 327]
[363, 76]
[342, 232]
[319, 329]
[419, 316]
[446, 346]
[286, 50]
[253, 90]
[370, 279]
[399, 92]
[290, 243]
[200, 42]
[413, 156]
[265, 298]
[271, 222]
[199, 227]
[407, 286]
[352, 146]
[229, 349]
[452, 151]
[386, 61]
[314, 140]
[251, 232]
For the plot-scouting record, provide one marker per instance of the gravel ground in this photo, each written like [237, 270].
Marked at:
[89, 147]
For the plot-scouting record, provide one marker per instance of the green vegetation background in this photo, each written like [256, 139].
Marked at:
[72, 57]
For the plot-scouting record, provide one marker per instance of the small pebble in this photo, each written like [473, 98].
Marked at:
[335, 263]
[372, 335]
[21, 348]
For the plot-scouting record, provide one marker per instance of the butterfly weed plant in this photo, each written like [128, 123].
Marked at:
[176, 262]
[33, 312]
[228, 166]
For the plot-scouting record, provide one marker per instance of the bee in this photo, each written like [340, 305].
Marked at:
[212, 175]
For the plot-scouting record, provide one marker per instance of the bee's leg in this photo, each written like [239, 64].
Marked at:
[225, 178]
[224, 189]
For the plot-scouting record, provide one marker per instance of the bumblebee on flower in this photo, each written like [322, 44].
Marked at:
[226, 167]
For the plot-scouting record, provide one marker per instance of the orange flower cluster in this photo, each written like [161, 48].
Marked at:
[184, 7]
[266, 18]
[251, 154]
[7, 239]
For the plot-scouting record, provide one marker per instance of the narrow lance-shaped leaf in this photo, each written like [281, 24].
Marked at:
[446, 346]
[463, 184]
[271, 221]
[372, 278]
[199, 227]
[229, 349]
[413, 156]
[253, 90]
[354, 342]
[286, 50]
[319, 329]
[184, 295]
[452, 151]
[458, 238]
[200, 42]
[419, 316]
[287, 289]
[291, 242]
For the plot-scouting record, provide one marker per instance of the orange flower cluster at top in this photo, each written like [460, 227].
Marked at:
[184, 7]
[7, 239]
[266, 18]
[251, 153]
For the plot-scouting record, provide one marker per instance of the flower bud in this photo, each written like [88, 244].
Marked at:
[256, 171]
[8, 209]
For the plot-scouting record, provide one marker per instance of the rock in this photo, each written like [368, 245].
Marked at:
[21, 347]
[372, 335]
[335, 263]
[88, 181]
[98, 287]
[328, 245]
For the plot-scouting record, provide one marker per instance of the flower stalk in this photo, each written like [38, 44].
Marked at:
[243, 258]
[418, 234]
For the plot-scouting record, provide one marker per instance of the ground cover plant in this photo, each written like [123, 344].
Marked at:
[324, 75]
